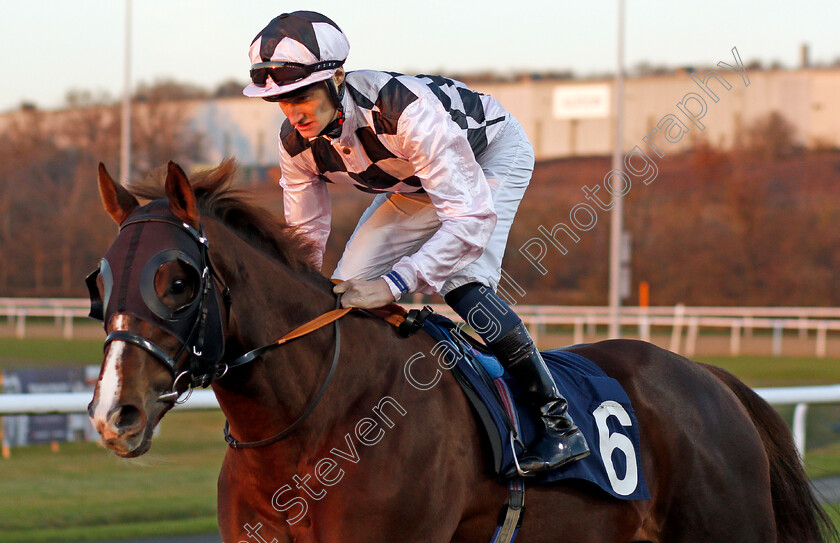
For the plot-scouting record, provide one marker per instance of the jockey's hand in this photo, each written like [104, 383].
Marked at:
[364, 294]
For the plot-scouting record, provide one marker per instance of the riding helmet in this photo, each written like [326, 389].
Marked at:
[295, 50]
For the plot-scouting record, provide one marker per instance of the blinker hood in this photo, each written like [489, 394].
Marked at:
[150, 238]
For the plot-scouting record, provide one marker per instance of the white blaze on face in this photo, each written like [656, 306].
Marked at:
[110, 382]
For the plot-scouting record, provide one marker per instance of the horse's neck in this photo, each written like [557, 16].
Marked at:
[268, 300]
[264, 397]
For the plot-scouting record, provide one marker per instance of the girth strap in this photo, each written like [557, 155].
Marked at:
[510, 517]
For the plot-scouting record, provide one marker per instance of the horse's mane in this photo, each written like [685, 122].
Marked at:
[217, 197]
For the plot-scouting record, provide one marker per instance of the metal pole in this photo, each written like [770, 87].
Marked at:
[125, 140]
[618, 207]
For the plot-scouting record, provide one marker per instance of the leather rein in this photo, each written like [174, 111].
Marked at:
[406, 323]
[311, 326]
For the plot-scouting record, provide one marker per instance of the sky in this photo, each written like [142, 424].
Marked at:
[51, 47]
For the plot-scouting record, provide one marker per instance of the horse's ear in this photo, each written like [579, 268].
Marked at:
[119, 203]
[181, 196]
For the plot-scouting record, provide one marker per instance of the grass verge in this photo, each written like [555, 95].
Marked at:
[115, 532]
[770, 371]
[85, 493]
[48, 353]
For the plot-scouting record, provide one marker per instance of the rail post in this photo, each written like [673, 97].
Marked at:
[578, 336]
[676, 332]
[20, 323]
[735, 339]
[822, 329]
[800, 417]
[691, 339]
[778, 331]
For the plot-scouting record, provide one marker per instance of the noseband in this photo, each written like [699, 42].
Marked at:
[197, 325]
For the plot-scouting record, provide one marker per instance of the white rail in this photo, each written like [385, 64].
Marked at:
[77, 402]
[684, 322]
[63, 310]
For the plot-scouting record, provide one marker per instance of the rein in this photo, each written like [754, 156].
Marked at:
[406, 323]
[315, 324]
[300, 331]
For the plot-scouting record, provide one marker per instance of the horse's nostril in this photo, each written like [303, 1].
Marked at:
[128, 417]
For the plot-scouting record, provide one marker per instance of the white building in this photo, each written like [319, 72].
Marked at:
[566, 118]
[570, 117]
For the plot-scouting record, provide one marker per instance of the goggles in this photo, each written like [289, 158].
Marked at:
[284, 73]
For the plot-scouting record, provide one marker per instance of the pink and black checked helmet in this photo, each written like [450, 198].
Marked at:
[295, 50]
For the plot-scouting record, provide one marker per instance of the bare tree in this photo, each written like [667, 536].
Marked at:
[52, 226]
[160, 129]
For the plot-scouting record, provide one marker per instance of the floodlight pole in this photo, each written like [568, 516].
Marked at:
[125, 137]
[618, 201]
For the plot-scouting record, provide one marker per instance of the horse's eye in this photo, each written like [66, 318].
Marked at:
[176, 284]
[178, 287]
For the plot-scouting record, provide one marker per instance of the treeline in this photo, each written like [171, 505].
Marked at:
[52, 226]
[756, 225]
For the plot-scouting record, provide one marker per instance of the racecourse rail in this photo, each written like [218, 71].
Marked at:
[77, 402]
[684, 322]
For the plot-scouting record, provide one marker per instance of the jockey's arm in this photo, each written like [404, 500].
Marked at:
[306, 204]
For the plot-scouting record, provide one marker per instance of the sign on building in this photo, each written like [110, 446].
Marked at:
[581, 102]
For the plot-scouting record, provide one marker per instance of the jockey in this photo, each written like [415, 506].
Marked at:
[449, 166]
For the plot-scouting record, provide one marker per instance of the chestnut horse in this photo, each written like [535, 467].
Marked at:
[379, 459]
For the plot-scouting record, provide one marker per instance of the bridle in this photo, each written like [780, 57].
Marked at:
[203, 367]
[203, 350]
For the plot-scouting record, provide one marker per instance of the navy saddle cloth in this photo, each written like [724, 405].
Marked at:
[597, 403]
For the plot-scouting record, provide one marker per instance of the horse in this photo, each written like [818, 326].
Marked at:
[362, 453]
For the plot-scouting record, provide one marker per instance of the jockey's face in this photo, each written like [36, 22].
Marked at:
[310, 112]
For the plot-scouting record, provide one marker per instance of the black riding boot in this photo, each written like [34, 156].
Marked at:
[562, 441]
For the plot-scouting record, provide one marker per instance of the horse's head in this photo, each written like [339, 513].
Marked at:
[156, 294]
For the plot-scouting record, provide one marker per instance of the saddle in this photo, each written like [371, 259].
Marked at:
[597, 403]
